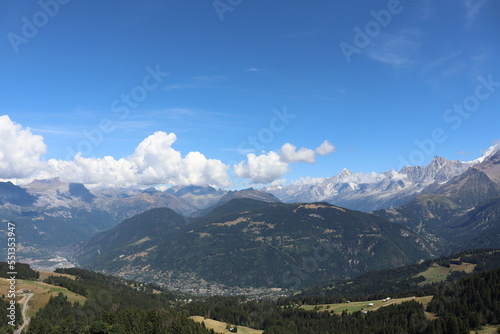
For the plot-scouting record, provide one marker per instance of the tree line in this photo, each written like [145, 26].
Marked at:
[116, 306]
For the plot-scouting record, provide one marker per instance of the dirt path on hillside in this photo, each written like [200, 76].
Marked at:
[26, 298]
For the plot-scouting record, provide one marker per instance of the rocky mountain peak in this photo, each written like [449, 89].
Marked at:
[194, 190]
[438, 161]
[491, 151]
[344, 173]
[10, 193]
[80, 191]
[45, 184]
[372, 191]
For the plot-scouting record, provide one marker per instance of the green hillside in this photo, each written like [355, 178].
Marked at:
[460, 214]
[251, 243]
[113, 305]
[403, 281]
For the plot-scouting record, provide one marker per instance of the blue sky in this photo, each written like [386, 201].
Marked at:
[219, 73]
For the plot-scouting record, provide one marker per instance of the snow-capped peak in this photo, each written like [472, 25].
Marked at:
[344, 173]
[490, 151]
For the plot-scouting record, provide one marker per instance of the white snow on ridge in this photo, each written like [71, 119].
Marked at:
[372, 191]
[485, 155]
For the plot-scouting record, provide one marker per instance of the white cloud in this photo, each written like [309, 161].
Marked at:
[325, 148]
[20, 150]
[155, 158]
[198, 170]
[153, 162]
[395, 175]
[277, 183]
[360, 178]
[289, 154]
[264, 168]
[93, 171]
[308, 181]
[368, 178]
[269, 167]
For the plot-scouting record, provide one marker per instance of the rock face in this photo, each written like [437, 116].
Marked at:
[460, 213]
[52, 213]
[369, 192]
[12, 194]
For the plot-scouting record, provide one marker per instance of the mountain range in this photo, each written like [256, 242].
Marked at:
[369, 192]
[253, 243]
[54, 213]
[464, 209]
[256, 237]
[246, 242]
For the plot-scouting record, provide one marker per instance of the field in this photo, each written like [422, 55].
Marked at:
[220, 327]
[363, 306]
[42, 293]
[46, 274]
[487, 330]
[437, 273]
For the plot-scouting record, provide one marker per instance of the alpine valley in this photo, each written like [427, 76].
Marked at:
[214, 241]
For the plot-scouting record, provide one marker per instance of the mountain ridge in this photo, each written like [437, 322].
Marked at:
[54, 214]
[246, 242]
[448, 212]
[370, 192]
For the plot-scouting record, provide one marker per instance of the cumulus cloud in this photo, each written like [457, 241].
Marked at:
[93, 171]
[153, 162]
[198, 170]
[264, 168]
[269, 167]
[20, 150]
[289, 153]
[325, 148]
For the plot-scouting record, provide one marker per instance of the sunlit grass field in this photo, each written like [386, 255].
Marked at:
[42, 293]
[364, 305]
[220, 327]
